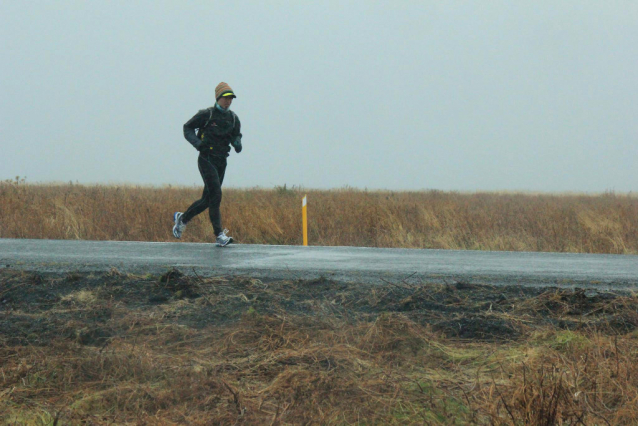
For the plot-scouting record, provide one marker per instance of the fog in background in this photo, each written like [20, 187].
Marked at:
[485, 95]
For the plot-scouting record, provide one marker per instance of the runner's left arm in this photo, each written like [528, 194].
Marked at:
[236, 136]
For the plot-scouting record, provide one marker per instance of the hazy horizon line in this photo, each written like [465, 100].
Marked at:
[19, 180]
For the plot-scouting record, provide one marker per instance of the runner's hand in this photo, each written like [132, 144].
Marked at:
[237, 145]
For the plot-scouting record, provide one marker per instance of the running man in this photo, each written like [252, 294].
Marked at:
[212, 131]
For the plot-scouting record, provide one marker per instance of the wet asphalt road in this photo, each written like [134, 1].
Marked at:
[346, 264]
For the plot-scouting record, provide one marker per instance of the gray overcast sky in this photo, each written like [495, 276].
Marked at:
[511, 95]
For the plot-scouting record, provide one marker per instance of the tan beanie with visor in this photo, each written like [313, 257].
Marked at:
[223, 90]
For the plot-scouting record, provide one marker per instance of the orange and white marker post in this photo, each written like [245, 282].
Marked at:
[304, 215]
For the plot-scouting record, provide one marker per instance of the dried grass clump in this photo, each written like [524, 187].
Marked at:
[589, 380]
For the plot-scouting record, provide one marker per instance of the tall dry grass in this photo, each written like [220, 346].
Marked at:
[604, 223]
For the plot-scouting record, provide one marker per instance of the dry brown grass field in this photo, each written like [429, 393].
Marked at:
[605, 223]
[114, 348]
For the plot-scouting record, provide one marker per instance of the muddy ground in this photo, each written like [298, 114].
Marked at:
[81, 306]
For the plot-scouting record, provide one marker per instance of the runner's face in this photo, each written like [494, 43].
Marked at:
[225, 101]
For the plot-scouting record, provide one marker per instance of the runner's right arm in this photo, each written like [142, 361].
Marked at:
[197, 122]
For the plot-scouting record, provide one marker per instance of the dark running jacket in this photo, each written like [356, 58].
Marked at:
[214, 131]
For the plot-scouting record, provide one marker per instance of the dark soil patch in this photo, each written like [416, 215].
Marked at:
[37, 309]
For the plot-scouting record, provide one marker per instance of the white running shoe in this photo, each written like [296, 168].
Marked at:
[223, 239]
[179, 225]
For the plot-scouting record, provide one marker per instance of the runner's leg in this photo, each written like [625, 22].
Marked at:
[209, 168]
[202, 204]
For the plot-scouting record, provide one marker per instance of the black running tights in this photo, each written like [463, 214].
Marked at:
[212, 170]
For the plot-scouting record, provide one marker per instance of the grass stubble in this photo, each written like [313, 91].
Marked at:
[115, 348]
